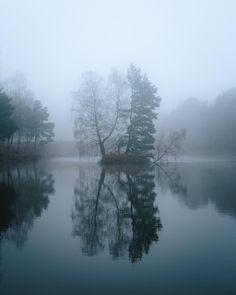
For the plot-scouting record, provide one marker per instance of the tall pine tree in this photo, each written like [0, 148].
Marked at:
[144, 102]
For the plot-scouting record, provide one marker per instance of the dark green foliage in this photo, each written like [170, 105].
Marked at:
[144, 102]
[7, 124]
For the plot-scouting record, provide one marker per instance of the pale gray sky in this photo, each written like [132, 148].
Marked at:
[187, 47]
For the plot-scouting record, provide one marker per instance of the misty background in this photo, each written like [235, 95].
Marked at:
[187, 48]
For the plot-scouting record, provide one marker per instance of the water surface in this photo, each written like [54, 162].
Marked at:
[70, 227]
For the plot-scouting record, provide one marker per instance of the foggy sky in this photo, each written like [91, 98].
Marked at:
[187, 47]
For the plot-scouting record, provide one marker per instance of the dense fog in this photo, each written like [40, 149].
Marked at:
[210, 127]
[187, 49]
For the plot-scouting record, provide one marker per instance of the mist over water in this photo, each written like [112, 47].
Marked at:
[117, 147]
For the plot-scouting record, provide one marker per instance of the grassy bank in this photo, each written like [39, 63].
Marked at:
[8, 157]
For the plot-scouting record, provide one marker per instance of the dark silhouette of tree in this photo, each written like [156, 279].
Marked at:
[7, 123]
[144, 102]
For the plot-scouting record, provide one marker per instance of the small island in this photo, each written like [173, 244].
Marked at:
[119, 115]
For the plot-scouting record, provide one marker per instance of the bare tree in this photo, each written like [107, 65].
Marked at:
[169, 147]
[97, 108]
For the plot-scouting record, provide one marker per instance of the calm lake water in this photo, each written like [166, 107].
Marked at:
[69, 227]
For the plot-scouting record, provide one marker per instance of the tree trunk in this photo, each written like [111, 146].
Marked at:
[100, 184]
[18, 143]
[102, 149]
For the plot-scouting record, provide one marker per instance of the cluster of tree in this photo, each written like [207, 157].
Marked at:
[23, 120]
[116, 209]
[211, 127]
[117, 115]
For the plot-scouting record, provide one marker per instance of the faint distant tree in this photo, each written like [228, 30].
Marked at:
[22, 101]
[97, 109]
[169, 147]
[223, 123]
[40, 129]
[30, 116]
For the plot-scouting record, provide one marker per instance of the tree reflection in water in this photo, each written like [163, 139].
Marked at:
[169, 177]
[116, 209]
[24, 194]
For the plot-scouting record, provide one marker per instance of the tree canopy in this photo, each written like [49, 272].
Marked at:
[144, 102]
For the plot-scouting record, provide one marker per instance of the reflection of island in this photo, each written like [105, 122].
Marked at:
[116, 209]
[23, 196]
[119, 209]
[211, 183]
[198, 184]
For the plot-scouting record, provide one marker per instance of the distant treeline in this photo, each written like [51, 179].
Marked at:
[24, 121]
[210, 127]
